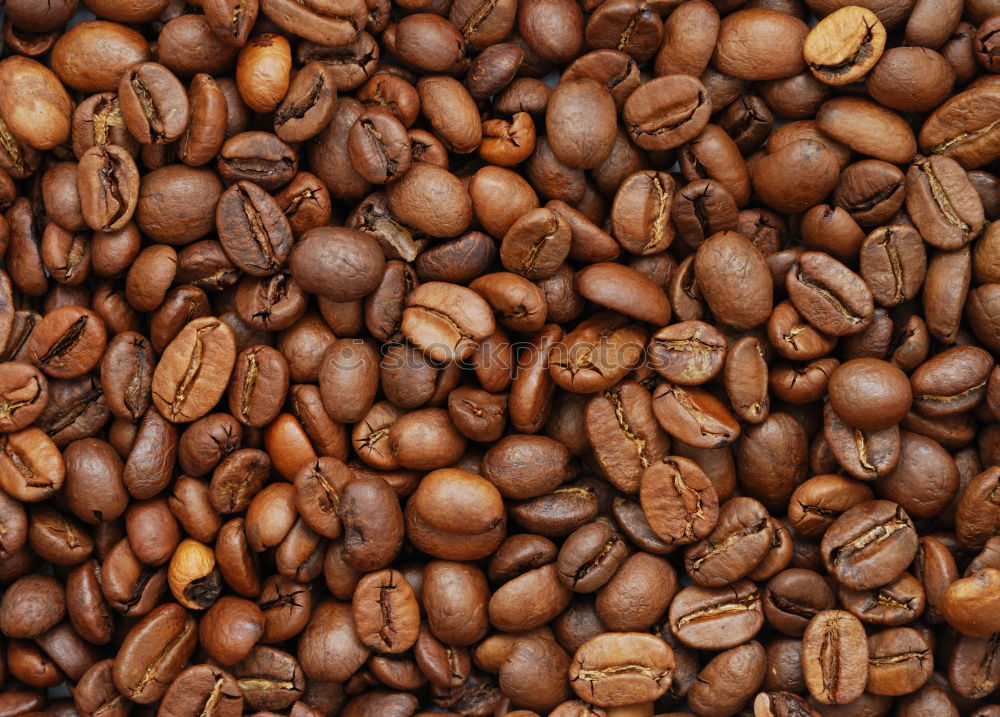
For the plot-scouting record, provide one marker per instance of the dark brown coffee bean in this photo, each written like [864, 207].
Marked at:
[373, 524]
[379, 146]
[589, 557]
[252, 229]
[203, 689]
[308, 104]
[96, 692]
[269, 678]
[828, 295]
[898, 602]
[154, 652]
[258, 157]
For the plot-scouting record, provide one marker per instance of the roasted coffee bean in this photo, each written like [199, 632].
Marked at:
[844, 46]
[193, 372]
[716, 618]
[835, 657]
[869, 545]
[898, 602]
[666, 112]
[154, 652]
[154, 104]
[828, 295]
[694, 416]
[253, 231]
[386, 612]
[624, 433]
[613, 670]
[507, 337]
[204, 688]
[736, 545]
[942, 203]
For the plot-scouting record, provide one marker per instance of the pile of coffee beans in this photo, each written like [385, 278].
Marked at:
[584, 358]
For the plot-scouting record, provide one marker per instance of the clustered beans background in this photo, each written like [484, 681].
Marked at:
[349, 367]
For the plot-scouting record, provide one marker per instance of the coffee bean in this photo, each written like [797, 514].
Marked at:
[154, 104]
[844, 46]
[666, 112]
[193, 372]
[945, 208]
[960, 128]
[516, 394]
[898, 602]
[614, 670]
[154, 652]
[874, 533]
[716, 618]
[204, 689]
[253, 231]
[835, 657]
